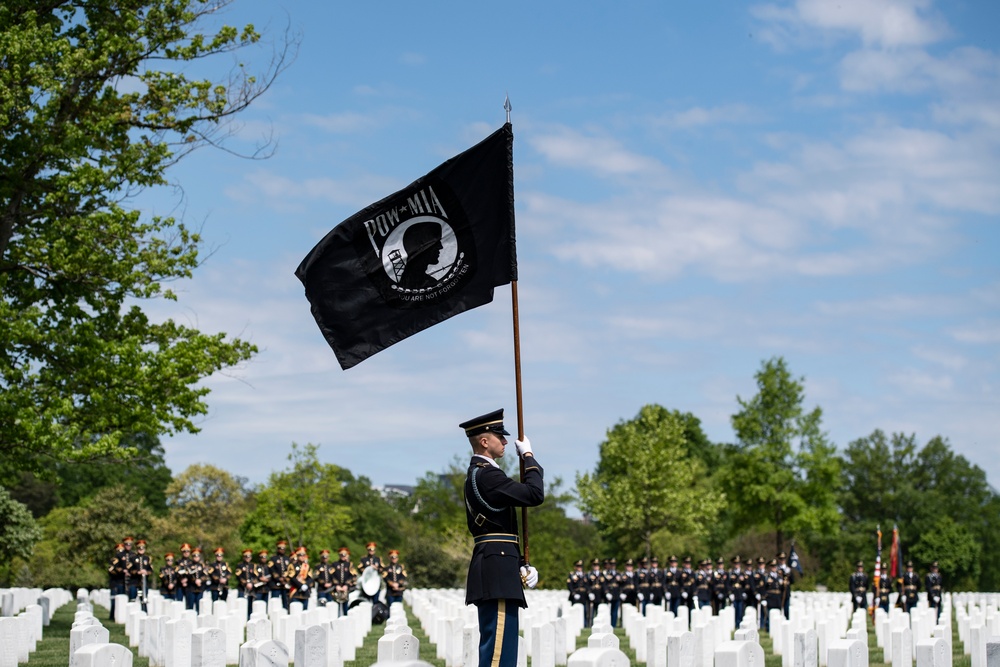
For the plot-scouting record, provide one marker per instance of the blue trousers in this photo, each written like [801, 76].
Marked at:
[498, 633]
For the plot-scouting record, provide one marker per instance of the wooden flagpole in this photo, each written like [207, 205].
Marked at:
[517, 384]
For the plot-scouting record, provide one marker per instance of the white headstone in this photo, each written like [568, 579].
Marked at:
[177, 643]
[804, 650]
[680, 649]
[81, 636]
[103, 655]
[311, 646]
[264, 653]
[847, 653]
[739, 654]
[933, 653]
[593, 656]
[208, 648]
[398, 647]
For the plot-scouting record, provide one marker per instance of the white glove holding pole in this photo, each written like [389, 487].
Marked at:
[529, 575]
[523, 447]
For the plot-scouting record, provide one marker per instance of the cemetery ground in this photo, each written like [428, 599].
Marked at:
[53, 649]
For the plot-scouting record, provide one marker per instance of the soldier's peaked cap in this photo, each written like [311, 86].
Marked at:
[578, 563]
[861, 563]
[489, 423]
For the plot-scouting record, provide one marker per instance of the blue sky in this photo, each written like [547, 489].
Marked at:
[699, 187]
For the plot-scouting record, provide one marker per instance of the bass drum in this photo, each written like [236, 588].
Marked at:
[380, 613]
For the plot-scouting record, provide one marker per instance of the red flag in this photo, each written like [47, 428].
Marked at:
[894, 570]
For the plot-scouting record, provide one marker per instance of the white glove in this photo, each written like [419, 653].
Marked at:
[523, 446]
[607, 596]
[590, 596]
[732, 596]
[757, 596]
[576, 596]
[684, 595]
[304, 588]
[642, 596]
[621, 596]
[668, 596]
[763, 603]
[529, 575]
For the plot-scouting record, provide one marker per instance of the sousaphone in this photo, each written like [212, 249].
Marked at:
[370, 581]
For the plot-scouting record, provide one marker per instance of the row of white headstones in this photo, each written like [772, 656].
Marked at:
[822, 631]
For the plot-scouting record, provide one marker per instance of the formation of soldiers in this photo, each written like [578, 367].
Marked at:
[907, 586]
[286, 575]
[742, 586]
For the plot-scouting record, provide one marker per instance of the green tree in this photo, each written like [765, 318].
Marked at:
[207, 508]
[782, 468]
[97, 101]
[18, 533]
[646, 482]
[303, 504]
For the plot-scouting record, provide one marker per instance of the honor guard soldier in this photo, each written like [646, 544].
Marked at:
[642, 579]
[629, 583]
[672, 585]
[116, 575]
[858, 585]
[394, 575]
[576, 584]
[884, 591]
[687, 584]
[170, 587]
[759, 585]
[299, 578]
[740, 583]
[909, 586]
[183, 571]
[371, 559]
[720, 586]
[131, 586]
[786, 573]
[497, 576]
[774, 592]
[197, 579]
[935, 588]
[218, 574]
[277, 567]
[612, 589]
[344, 578]
[247, 578]
[703, 584]
[655, 583]
[323, 578]
[595, 587]
[140, 571]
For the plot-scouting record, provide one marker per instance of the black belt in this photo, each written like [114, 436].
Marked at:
[496, 537]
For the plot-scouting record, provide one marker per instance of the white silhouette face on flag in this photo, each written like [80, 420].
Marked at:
[425, 244]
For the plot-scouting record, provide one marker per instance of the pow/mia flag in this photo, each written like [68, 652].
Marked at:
[434, 249]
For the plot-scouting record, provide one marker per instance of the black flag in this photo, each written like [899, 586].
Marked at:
[434, 249]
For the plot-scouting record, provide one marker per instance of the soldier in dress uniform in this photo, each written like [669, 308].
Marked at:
[786, 573]
[140, 571]
[497, 575]
[394, 575]
[299, 578]
[629, 584]
[344, 578]
[774, 592]
[131, 589]
[858, 585]
[740, 588]
[884, 591]
[909, 586]
[642, 582]
[277, 567]
[371, 559]
[595, 587]
[247, 579]
[687, 584]
[576, 584]
[323, 578]
[720, 586]
[759, 578]
[197, 579]
[655, 583]
[703, 584]
[116, 575]
[184, 572]
[935, 588]
[263, 584]
[218, 574]
[170, 585]
[672, 585]
[612, 589]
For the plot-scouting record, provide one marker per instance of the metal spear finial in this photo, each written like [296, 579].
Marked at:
[506, 106]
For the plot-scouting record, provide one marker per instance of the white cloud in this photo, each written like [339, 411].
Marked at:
[707, 116]
[600, 155]
[882, 23]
